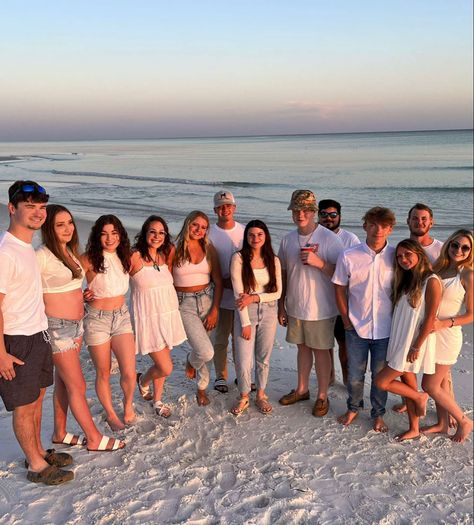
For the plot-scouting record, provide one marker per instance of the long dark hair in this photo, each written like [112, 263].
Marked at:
[50, 240]
[140, 239]
[94, 250]
[268, 256]
[410, 282]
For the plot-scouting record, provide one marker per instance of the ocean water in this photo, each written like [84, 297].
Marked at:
[134, 178]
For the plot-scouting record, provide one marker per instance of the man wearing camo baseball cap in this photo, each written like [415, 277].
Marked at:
[307, 306]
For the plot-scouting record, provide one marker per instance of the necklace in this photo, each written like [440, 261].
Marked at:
[305, 239]
[156, 262]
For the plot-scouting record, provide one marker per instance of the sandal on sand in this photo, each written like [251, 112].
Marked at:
[104, 445]
[241, 406]
[201, 398]
[263, 405]
[161, 409]
[293, 397]
[145, 391]
[50, 476]
[72, 440]
[55, 459]
[221, 386]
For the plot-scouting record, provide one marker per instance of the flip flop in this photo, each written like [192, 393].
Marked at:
[241, 406]
[161, 409]
[145, 391]
[116, 445]
[73, 440]
[221, 386]
[263, 405]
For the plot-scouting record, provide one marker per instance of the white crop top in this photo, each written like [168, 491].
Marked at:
[189, 274]
[56, 277]
[113, 281]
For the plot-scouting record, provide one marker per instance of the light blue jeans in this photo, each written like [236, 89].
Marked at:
[194, 308]
[357, 357]
[263, 318]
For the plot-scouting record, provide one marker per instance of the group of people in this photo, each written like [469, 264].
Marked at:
[403, 307]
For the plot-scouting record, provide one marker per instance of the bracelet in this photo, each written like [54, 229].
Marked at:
[452, 322]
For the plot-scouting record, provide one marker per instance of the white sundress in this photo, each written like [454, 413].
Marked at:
[155, 310]
[406, 323]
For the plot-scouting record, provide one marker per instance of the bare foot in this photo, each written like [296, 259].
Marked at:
[408, 435]
[202, 399]
[452, 422]
[115, 423]
[379, 425]
[399, 408]
[129, 416]
[190, 371]
[347, 418]
[464, 429]
[438, 428]
[421, 404]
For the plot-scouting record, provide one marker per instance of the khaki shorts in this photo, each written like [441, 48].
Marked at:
[315, 334]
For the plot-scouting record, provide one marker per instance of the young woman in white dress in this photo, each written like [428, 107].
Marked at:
[155, 308]
[455, 267]
[416, 293]
[62, 276]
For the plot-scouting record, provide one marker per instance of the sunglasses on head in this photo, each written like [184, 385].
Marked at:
[29, 188]
[332, 214]
[465, 248]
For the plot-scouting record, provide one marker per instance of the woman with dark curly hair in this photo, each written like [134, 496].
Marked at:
[62, 276]
[155, 307]
[107, 325]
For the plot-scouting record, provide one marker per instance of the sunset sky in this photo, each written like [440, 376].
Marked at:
[153, 69]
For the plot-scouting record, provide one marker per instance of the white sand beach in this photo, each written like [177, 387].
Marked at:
[204, 466]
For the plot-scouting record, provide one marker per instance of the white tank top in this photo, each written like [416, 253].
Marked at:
[189, 274]
[113, 281]
[56, 277]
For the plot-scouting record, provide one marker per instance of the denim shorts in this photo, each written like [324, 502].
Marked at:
[64, 333]
[101, 325]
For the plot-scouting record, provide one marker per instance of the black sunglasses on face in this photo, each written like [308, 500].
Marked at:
[465, 248]
[332, 214]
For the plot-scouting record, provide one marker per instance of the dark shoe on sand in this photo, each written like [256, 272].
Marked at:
[321, 407]
[293, 397]
[50, 476]
[56, 459]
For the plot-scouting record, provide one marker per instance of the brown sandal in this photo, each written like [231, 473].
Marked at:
[263, 405]
[293, 397]
[241, 406]
[50, 476]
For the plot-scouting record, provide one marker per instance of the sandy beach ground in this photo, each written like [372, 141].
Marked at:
[204, 466]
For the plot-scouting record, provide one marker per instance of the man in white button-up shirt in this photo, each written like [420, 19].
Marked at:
[363, 279]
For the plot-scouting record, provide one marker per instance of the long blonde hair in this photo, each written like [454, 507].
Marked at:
[182, 251]
[410, 282]
[444, 260]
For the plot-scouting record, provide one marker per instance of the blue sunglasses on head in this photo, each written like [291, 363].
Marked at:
[29, 188]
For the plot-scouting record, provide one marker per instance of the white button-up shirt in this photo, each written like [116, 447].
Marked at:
[368, 276]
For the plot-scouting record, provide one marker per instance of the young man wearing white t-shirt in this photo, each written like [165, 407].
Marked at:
[329, 216]
[420, 221]
[307, 306]
[226, 236]
[26, 363]
[363, 279]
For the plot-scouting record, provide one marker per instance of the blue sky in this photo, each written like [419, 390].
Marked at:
[145, 69]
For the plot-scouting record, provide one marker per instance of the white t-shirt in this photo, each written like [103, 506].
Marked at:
[310, 294]
[368, 276]
[20, 281]
[348, 239]
[433, 250]
[226, 243]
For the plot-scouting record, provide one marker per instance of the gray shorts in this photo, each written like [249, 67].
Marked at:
[101, 325]
[315, 334]
[37, 372]
[64, 334]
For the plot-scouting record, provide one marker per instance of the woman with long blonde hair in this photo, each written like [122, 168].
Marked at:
[416, 293]
[198, 282]
[455, 268]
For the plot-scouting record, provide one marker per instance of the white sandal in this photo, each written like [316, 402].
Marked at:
[161, 409]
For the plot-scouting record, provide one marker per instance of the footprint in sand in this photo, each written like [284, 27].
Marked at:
[226, 477]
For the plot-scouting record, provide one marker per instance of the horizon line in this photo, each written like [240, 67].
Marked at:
[244, 136]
